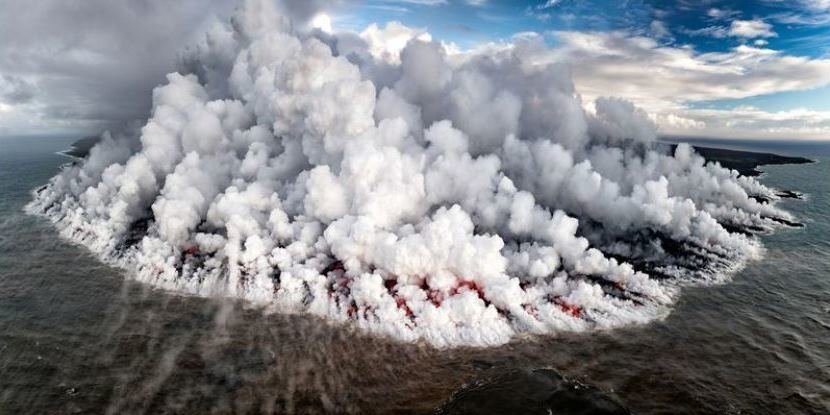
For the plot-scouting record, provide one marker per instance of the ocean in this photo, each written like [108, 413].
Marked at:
[78, 336]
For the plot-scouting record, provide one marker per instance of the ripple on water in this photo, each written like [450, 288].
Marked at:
[75, 336]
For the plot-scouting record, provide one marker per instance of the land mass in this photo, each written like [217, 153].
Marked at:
[745, 162]
[80, 148]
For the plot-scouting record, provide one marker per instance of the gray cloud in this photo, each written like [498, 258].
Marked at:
[94, 62]
[303, 10]
[14, 90]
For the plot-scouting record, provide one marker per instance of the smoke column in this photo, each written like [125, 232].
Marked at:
[460, 198]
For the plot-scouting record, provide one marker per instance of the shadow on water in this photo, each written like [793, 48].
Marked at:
[76, 337]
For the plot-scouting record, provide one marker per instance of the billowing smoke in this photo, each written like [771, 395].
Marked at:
[457, 198]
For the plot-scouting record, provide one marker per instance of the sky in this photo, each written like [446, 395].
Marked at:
[732, 69]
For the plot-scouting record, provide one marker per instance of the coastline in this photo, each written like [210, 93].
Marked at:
[80, 148]
[745, 162]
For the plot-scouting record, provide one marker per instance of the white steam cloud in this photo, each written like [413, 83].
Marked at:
[453, 198]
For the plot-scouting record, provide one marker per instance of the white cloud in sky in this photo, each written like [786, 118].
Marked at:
[665, 80]
[321, 21]
[548, 4]
[805, 13]
[387, 42]
[618, 61]
[751, 29]
[745, 29]
[659, 29]
[718, 32]
[817, 5]
[751, 122]
[721, 13]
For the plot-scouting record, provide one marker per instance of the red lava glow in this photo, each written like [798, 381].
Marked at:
[403, 306]
[570, 309]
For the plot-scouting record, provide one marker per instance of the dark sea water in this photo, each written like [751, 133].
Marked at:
[76, 336]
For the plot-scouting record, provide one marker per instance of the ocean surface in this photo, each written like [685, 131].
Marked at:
[76, 336]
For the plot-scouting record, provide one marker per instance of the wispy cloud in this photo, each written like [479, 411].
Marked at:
[542, 11]
[665, 80]
[745, 29]
[388, 8]
[548, 4]
[419, 2]
[722, 13]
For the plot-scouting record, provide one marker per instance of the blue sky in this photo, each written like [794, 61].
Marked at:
[802, 28]
[704, 30]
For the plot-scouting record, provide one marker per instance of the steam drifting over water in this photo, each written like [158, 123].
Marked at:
[459, 198]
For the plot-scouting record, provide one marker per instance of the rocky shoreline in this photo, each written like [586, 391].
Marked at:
[746, 162]
[80, 149]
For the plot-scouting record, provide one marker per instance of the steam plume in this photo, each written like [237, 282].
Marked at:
[455, 198]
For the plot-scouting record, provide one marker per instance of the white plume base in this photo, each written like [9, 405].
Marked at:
[311, 293]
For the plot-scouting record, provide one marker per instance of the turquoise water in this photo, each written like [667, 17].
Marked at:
[76, 336]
